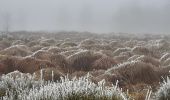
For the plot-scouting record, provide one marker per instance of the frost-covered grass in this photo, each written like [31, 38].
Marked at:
[164, 90]
[23, 87]
[13, 85]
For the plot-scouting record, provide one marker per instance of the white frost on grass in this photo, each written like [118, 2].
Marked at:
[25, 88]
[164, 91]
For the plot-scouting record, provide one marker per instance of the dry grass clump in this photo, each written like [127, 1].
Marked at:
[88, 42]
[120, 50]
[9, 62]
[67, 44]
[134, 57]
[4, 44]
[104, 62]
[136, 72]
[148, 59]
[45, 44]
[42, 54]
[36, 48]
[59, 60]
[133, 43]
[105, 41]
[17, 50]
[97, 47]
[162, 44]
[163, 71]
[32, 43]
[141, 93]
[104, 47]
[166, 62]
[130, 43]
[56, 59]
[48, 74]
[58, 42]
[72, 48]
[156, 53]
[50, 41]
[141, 43]
[3, 68]
[111, 78]
[121, 58]
[127, 53]
[69, 52]
[107, 52]
[83, 60]
[96, 73]
[67, 40]
[30, 65]
[164, 57]
[87, 47]
[115, 44]
[78, 74]
[140, 50]
[45, 48]
[56, 50]
[18, 42]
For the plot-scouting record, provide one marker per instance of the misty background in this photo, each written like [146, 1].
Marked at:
[101, 16]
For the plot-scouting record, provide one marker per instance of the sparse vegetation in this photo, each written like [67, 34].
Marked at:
[134, 65]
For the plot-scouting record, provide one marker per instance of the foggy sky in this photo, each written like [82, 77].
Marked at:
[151, 16]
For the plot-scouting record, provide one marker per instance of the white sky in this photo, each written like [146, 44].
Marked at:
[87, 15]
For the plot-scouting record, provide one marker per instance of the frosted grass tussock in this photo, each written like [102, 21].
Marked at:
[104, 62]
[89, 42]
[25, 88]
[120, 50]
[149, 59]
[164, 91]
[14, 84]
[165, 57]
[120, 65]
[141, 50]
[55, 49]
[127, 63]
[132, 58]
[76, 88]
[16, 79]
[17, 50]
[83, 60]
[136, 72]
[79, 52]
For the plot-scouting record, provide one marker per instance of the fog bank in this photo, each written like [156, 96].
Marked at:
[151, 16]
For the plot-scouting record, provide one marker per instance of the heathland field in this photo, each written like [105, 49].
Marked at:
[84, 66]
